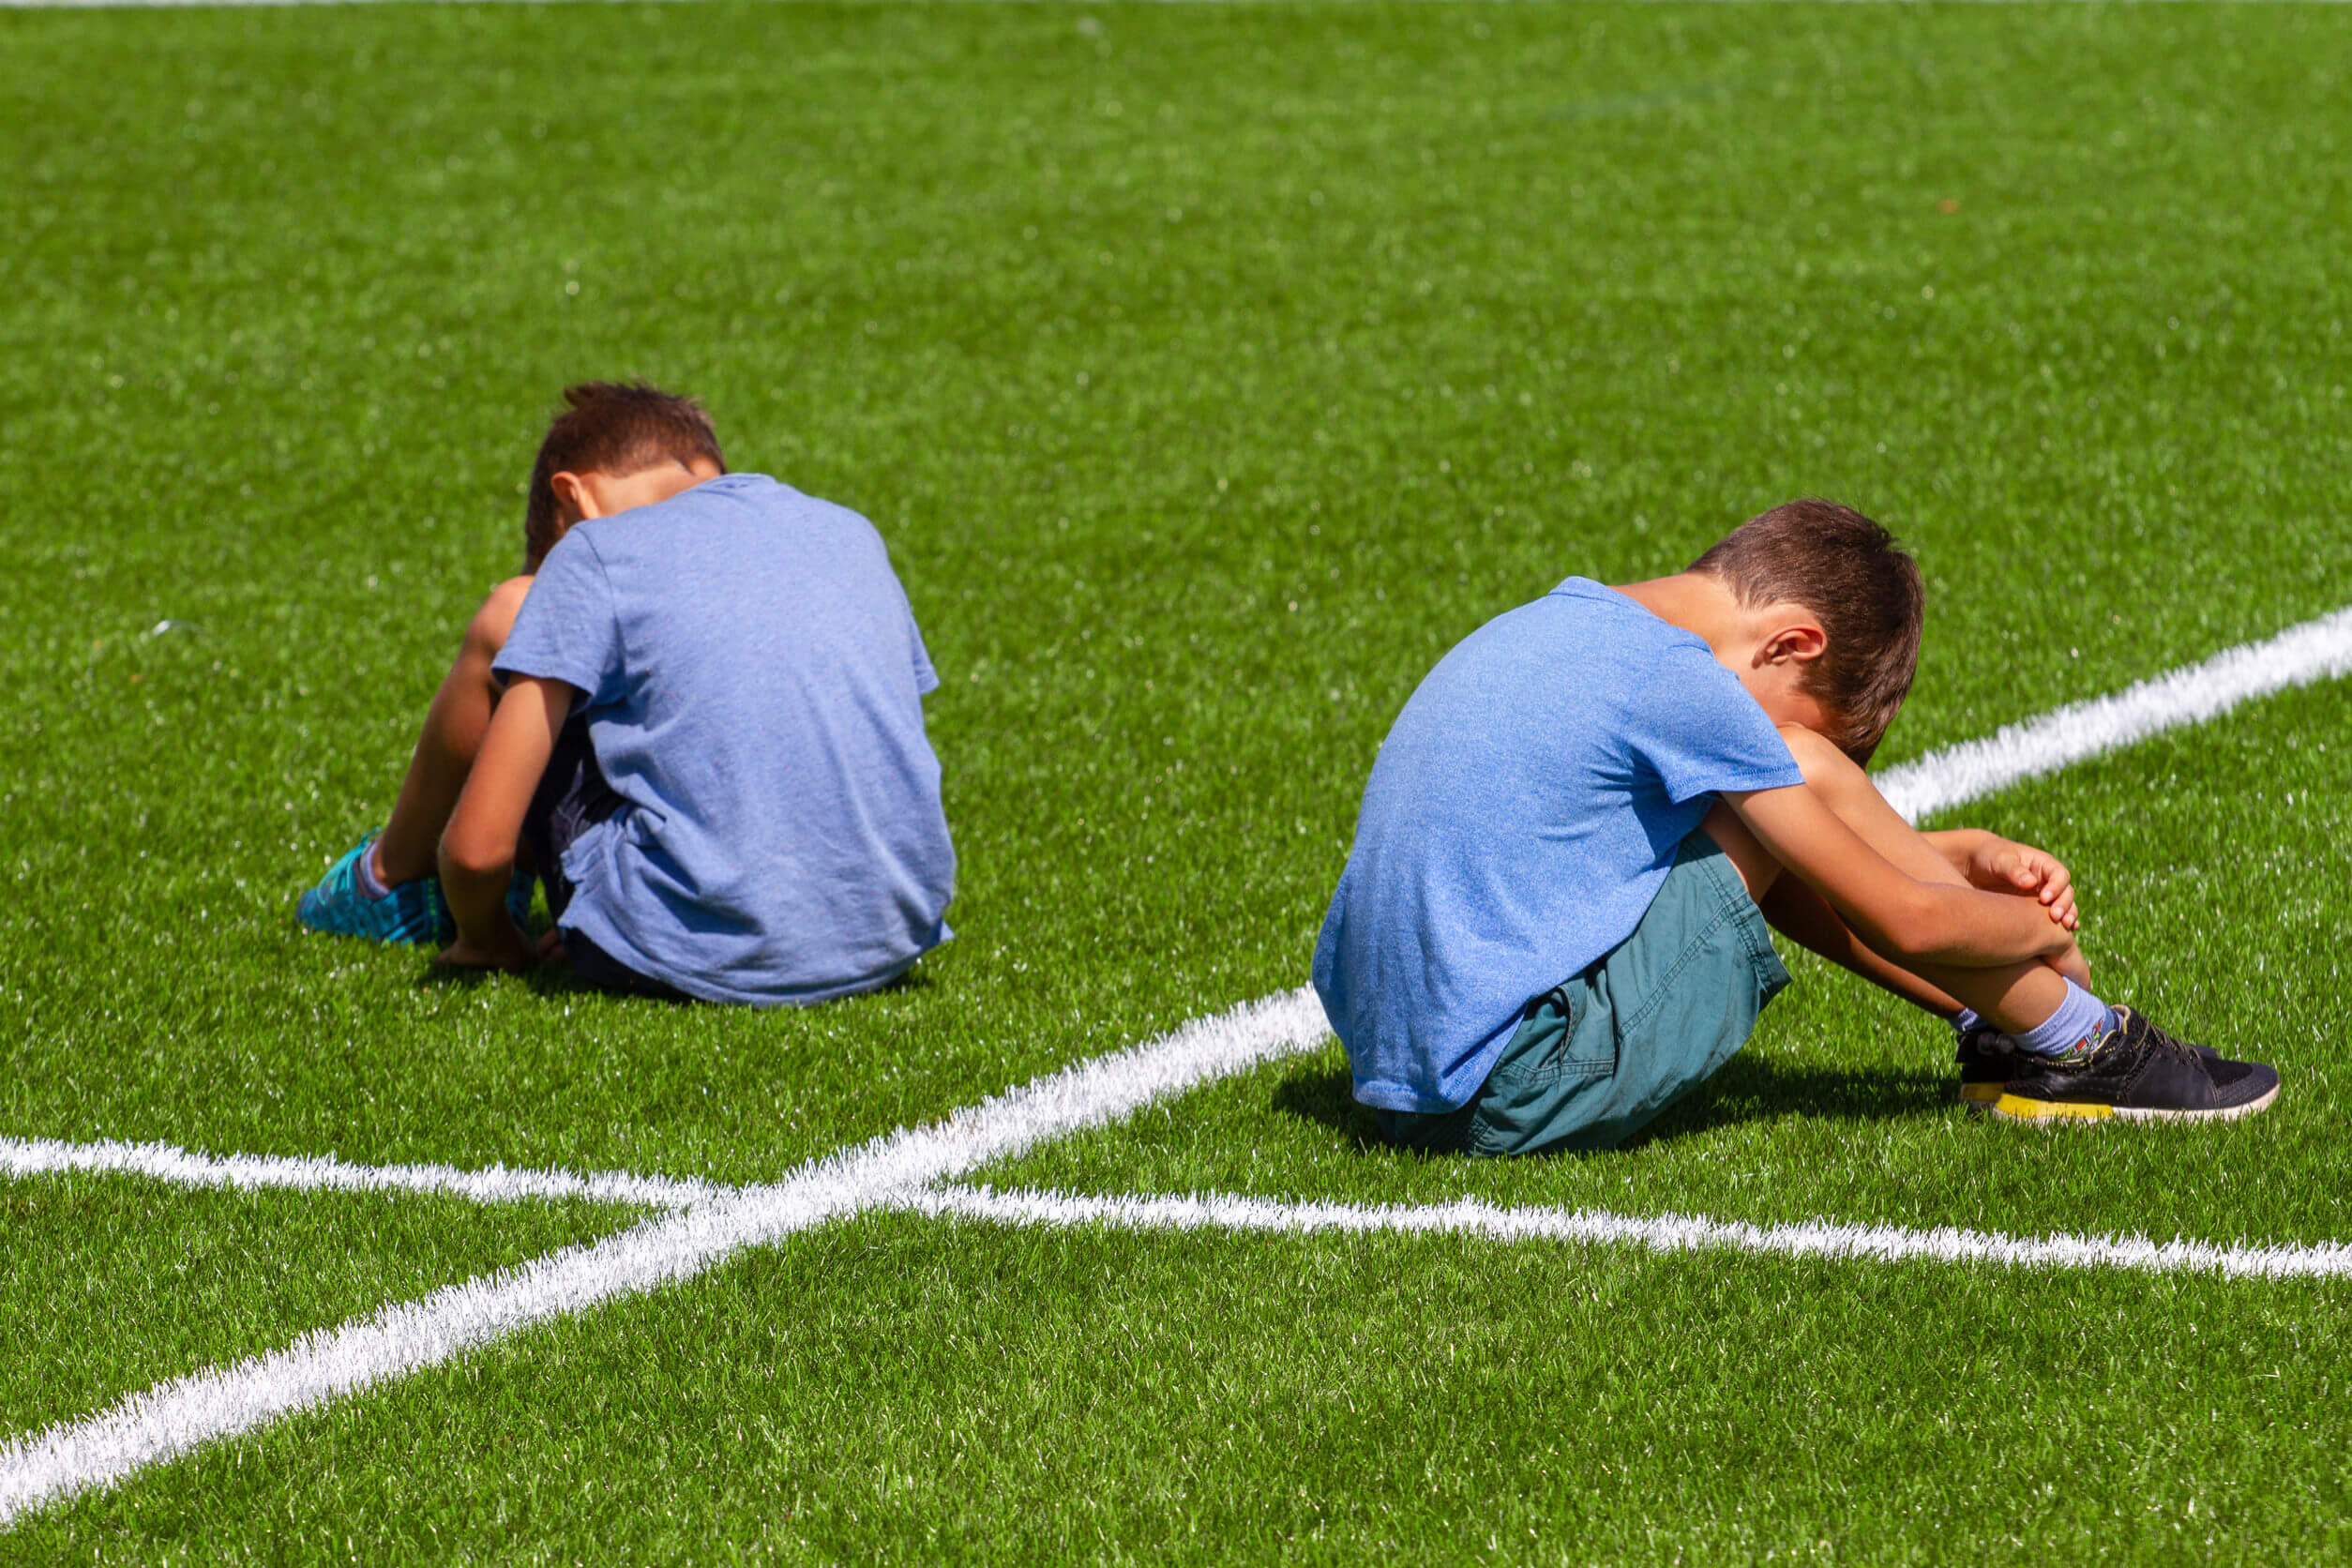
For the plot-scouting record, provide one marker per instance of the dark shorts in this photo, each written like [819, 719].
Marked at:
[1595, 1058]
[571, 797]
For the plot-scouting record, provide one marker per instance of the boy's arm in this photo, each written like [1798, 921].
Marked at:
[1798, 913]
[1898, 917]
[478, 848]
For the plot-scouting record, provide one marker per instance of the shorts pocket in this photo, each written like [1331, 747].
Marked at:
[1552, 1042]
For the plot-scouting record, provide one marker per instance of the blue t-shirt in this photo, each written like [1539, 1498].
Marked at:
[1521, 815]
[753, 684]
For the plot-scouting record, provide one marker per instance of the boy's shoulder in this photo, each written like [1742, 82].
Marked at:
[1599, 673]
[1582, 639]
[1587, 602]
[1573, 681]
[735, 510]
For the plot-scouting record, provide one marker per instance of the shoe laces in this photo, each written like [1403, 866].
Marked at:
[2139, 1030]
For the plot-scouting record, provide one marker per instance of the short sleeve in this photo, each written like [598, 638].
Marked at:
[926, 678]
[569, 627]
[1700, 731]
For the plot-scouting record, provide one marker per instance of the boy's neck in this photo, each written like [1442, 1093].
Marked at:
[1701, 604]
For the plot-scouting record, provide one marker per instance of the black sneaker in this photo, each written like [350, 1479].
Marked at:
[2140, 1074]
[1987, 1062]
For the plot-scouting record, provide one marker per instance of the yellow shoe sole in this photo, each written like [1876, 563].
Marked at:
[2053, 1113]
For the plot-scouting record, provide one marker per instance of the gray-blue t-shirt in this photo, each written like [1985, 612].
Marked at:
[753, 682]
[1521, 815]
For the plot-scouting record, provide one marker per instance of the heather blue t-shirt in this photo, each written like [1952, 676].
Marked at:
[752, 683]
[1521, 815]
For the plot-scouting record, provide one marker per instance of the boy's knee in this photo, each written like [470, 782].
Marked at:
[1828, 771]
[486, 633]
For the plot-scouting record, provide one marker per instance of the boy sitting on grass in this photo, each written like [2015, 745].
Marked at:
[697, 715]
[1552, 923]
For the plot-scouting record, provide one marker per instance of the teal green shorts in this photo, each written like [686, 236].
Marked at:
[1594, 1058]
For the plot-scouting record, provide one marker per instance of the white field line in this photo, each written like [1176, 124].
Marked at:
[1880, 1243]
[497, 1184]
[175, 1417]
[2308, 652]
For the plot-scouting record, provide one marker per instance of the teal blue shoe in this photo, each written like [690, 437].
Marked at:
[520, 893]
[411, 912]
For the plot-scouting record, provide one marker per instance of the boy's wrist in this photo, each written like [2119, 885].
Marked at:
[1960, 846]
[477, 896]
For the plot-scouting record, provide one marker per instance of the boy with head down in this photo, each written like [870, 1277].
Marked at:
[1553, 921]
[697, 718]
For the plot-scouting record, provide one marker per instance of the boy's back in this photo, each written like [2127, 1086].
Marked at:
[753, 680]
[1520, 817]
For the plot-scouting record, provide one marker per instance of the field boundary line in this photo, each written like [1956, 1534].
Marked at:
[1474, 1218]
[2306, 652]
[496, 1183]
[175, 1417]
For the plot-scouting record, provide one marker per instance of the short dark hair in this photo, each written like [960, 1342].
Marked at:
[610, 427]
[1864, 587]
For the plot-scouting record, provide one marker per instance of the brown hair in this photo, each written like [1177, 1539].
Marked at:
[1864, 587]
[609, 426]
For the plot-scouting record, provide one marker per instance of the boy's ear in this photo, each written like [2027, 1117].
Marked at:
[1797, 643]
[573, 501]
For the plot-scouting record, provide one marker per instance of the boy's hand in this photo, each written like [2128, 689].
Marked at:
[504, 948]
[2001, 866]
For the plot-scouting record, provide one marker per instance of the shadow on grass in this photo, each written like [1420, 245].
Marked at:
[554, 979]
[1749, 1088]
[1757, 1088]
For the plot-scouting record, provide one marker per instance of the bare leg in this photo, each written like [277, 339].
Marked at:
[454, 726]
[2012, 997]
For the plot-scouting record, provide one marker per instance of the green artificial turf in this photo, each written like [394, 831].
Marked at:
[902, 1391]
[119, 1282]
[1209, 371]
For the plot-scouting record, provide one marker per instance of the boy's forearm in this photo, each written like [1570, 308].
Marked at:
[1799, 913]
[1941, 922]
[478, 848]
[1904, 919]
[478, 902]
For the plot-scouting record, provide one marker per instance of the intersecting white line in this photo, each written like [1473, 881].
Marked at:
[177, 1416]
